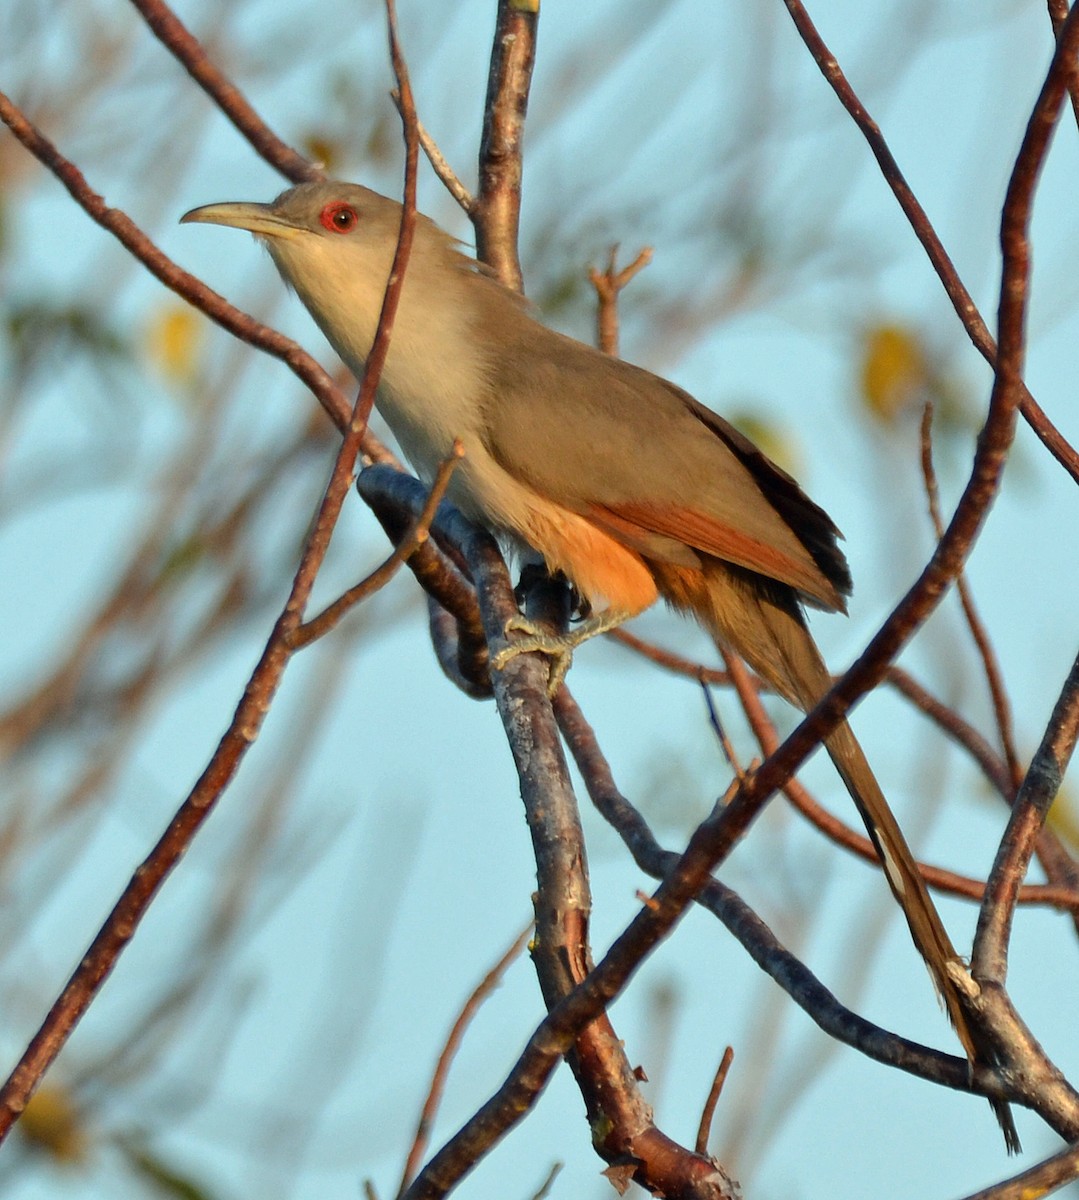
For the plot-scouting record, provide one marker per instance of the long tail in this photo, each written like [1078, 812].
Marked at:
[768, 631]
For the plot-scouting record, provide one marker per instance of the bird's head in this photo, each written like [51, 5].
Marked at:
[334, 244]
[342, 214]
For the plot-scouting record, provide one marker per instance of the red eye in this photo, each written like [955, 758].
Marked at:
[338, 217]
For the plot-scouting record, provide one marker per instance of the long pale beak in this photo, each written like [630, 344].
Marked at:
[259, 219]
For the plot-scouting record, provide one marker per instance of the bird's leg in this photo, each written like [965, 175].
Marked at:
[558, 646]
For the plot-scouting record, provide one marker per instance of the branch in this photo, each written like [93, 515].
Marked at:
[449, 1051]
[1032, 804]
[950, 882]
[687, 878]
[949, 721]
[1062, 893]
[962, 301]
[192, 56]
[1038, 1181]
[496, 209]
[120, 926]
[604, 1075]
[192, 289]
[704, 1129]
[415, 537]
[438, 162]
[396, 499]
[997, 692]
[608, 283]
[739, 919]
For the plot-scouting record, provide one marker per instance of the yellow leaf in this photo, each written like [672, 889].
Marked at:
[52, 1124]
[173, 340]
[895, 374]
[1063, 819]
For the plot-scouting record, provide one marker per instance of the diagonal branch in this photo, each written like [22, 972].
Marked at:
[191, 54]
[961, 299]
[119, 927]
[997, 692]
[192, 289]
[1032, 804]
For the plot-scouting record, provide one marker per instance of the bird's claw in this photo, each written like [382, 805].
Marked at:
[558, 648]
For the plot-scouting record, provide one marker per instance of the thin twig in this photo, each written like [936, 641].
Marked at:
[608, 284]
[441, 167]
[721, 734]
[962, 301]
[997, 692]
[226, 96]
[545, 1187]
[704, 1130]
[119, 927]
[449, 1051]
[326, 620]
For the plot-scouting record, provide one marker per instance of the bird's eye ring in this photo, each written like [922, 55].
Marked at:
[338, 217]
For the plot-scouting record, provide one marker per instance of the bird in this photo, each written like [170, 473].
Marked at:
[615, 478]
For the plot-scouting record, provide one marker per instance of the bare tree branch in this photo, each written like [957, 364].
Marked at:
[226, 96]
[1039, 789]
[449, 1051]
[120, 225]
[942, 264]
[1042, 1180]
[496, 209]
[997, 692]
[133, 904]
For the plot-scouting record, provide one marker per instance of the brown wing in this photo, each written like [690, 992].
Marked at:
[650, 465]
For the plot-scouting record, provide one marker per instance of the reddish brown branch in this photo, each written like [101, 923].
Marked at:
[608, 284]
[192, 56]
[244, 728]
[960, 731]
[120, 225]
[997, 692]
[1058, 12]
[704, 1130]
[962, 301]
[449, 1052]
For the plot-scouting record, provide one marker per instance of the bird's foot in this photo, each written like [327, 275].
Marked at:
[559, 647]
